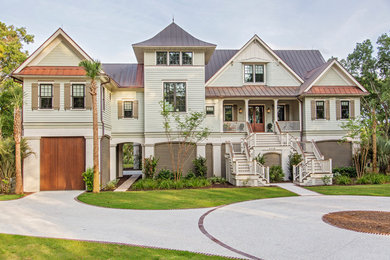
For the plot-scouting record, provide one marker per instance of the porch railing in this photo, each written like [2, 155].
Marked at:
[289, 126]
[234, 127]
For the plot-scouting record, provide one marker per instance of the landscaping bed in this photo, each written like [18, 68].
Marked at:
[362, 221]
[25, 247]
[181, 199]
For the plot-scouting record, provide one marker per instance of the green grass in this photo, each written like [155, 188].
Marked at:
[10, 196]
[128, 166]
[180, 199]
[366, 190]
[24, 247]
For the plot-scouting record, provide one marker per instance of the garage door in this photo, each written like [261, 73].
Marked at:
[62, 163]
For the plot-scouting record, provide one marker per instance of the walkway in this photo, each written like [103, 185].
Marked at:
[127, 184]
[279, 228]
[296, 189]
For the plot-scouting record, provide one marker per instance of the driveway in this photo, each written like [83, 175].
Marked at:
[281, 228]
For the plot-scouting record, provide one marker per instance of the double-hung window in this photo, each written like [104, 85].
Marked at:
[78, 96]
[46, 96]
[344, 109]
[320, 109]
[128, 109]
[254, 73]
[175, 96]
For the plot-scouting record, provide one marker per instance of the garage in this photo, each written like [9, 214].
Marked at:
[62, 162]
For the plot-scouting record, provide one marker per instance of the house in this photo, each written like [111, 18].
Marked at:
[257, 100]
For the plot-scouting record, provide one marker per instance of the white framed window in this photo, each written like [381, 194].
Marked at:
[254, 73]
[175, 96]
[45, 96]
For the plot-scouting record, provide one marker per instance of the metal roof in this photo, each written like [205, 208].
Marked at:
[251, 91]
[218, 59]
[52, 71]
[126, 75]
[335, 90]
[174, 36]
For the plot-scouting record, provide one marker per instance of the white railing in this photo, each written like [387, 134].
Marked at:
[234, 127]
[261, 170]
[317, 151]
[289, 126]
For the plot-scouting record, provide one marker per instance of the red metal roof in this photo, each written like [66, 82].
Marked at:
[335, 90]
[53, 71]
[251, 91]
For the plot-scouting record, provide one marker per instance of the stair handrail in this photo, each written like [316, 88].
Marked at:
[317, 151]
[262, 170]
[251, 136]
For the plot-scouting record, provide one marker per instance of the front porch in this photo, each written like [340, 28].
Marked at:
[261, 115]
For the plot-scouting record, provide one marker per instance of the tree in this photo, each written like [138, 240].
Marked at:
[17, 101]
[92, 70]
[11, 44]
[184, 130]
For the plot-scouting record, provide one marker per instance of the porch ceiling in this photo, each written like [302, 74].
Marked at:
[251, 91]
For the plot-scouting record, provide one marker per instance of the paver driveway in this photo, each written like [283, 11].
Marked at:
[280, 228]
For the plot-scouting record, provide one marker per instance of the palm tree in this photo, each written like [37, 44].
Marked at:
[17, 102]
[92, 71]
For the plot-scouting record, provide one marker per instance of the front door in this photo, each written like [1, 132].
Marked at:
[256, 118]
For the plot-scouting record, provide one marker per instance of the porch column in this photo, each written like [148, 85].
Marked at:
[120, 160]
[275, 110]
[222, 115]
[217, 159]
[246, 110]
[201, 150]
[149, 150]
[300, 114]
[113, 162]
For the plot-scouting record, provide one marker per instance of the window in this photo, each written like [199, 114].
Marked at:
[46, 96]
[254, 73]
[128, 109]
[344, 109]
[175, 95]
[78, 96]
[228, 111]
[209, 110]
[320, 110]
[161, 58]
[281, 113]
[186, 58]
[174, 58]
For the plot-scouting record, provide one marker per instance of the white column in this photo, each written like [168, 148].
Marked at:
[221, 114]
[217, 159]
[120, 160]
[112, 162]
[88, 152]
[149, 150]
[201, 150]
[275, 110]
[246, 110]
[31, 167]
[300, 114]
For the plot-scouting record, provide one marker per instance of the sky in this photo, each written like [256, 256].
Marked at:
[106, 29]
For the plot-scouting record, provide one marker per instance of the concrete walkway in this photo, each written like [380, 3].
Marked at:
[279, 228]
[296, 189]
[127, 184]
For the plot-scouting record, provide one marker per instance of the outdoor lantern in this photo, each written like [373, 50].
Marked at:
[268, 110]
[240, 110]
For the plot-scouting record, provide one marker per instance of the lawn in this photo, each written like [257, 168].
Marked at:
[180, 199]
[366, 190]
[24, 247]
[10, 196]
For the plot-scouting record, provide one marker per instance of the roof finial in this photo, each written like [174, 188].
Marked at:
[173, 18]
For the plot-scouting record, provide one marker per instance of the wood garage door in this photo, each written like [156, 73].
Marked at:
[62, 163]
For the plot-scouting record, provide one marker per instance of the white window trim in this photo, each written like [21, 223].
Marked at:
[253, 72]
[349, 108]
[123, 109]
[52, 95]
[176, 81]
[85, 96]
[180, 58]
[315, 109]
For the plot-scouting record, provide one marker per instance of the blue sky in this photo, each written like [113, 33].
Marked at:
[106, 29]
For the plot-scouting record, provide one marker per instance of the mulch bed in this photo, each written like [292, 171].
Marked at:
[377, 222]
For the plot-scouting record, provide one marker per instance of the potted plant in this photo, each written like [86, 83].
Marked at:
[269, 127]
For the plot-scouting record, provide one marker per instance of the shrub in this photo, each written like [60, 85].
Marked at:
[111, 185]
[294, 159]
[153, 184]
[373, 178]
[346, 171]
[342, 180]
[165, 174]
[149, 167]
[217, 180]
[190, 175]
[276, 173]
[88, 178]
[260, 159]
[326, 180]
[165, 184]
[145, 184]
[200, 166]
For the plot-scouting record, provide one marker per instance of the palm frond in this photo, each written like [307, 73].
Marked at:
[92, 68]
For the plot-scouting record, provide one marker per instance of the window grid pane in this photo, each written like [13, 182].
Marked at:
[128, 109]
[186, 58]
[344, 109]
[320, 110]
[161, 58]
[174, 58]
[259, 73]
[248, 73]
[209, 110]
[78, 90]
[46, 90]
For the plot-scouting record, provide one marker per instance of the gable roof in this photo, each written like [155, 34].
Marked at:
[125, 75]
[272, 52]
[174, 36]
[56, 34]
[217, 60]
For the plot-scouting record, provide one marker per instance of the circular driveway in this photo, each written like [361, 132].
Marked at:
[292, 228]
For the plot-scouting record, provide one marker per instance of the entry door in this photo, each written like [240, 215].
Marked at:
[256, 118]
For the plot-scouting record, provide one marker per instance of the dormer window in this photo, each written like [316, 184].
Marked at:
[253, 73]
[174, 58]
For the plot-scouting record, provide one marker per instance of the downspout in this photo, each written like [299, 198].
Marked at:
[301, 104]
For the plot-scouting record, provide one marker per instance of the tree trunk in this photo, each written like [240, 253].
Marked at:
[374, 150]
[96, 175]
[18, 160]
